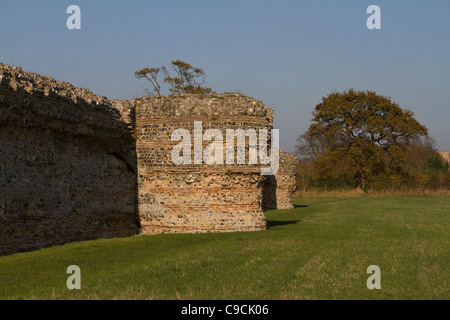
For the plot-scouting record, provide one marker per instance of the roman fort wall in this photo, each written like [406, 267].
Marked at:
[67, 169]
[278, 188]
[77, 166]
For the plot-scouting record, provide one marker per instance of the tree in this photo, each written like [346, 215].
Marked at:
[187, 79]
[364, 134]
[151, 74]
[304, 175]
[419, 150]
[435, 164]
[310, 147]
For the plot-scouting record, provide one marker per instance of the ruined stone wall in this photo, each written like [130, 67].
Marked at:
[77, 166]
[278, 189]
[68, 167]
[197, 197]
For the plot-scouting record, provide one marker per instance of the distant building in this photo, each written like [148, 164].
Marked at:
[445, 155]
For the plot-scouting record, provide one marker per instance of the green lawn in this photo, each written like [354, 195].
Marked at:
[319, 250]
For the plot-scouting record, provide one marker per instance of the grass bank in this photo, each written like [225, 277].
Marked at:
[319, 250]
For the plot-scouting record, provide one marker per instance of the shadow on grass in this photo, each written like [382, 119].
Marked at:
[300, 206]
[274, 223]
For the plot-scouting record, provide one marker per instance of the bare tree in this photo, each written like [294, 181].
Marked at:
[187, 79]
[151, 74]
[305, 173]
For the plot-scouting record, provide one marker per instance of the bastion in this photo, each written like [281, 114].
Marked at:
[197, 197]
[78, 166]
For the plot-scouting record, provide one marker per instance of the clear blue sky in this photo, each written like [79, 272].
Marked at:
[286, 53]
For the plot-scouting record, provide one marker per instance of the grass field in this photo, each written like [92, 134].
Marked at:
[319, 250]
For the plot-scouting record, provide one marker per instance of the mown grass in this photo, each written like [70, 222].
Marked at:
[319, 250]
[359, 193]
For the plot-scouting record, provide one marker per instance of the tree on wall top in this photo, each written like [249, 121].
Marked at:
[151, 74]
[187, 79]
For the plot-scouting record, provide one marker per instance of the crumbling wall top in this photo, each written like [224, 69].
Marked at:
[30, 99]
[196, 105]
[15, 79]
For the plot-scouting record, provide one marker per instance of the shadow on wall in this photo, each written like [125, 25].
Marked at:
[269, 193]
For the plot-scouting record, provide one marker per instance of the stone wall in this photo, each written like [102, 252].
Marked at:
[68, 168]
[197, 197]
[77, 166]
[278, 189]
